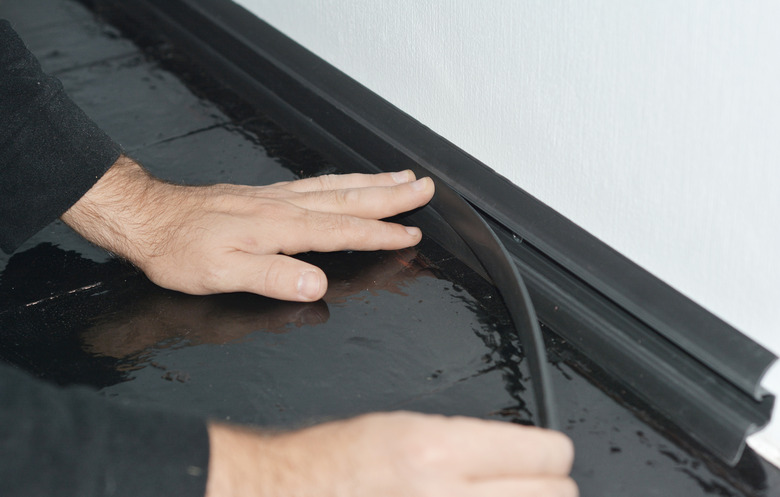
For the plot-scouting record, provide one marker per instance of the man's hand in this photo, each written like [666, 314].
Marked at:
[396, 454]
[228, 238]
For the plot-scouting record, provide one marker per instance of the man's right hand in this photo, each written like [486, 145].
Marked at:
[392, 454]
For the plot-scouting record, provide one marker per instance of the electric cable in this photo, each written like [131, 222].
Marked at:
[506, 277]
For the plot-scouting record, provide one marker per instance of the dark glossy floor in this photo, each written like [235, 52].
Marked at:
[414, 329]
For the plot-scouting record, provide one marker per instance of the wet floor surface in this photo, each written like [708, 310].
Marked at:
[413, 329]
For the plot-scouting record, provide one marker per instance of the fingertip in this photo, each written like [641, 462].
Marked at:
[403, 176]
[424, 189]
[429, 184]
[560, 438]
[414, 232]
[570, 488]
[572, 454]
[421, 184]
[561, 449]
[311, 285]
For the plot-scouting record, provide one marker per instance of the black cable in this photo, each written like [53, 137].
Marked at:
[498, 265]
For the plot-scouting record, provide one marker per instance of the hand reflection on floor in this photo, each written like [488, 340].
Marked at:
[73, 320]
[161, 319]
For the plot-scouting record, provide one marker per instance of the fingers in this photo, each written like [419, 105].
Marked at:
[493, 448]
[370, 196]
[549, 487]
[470, 457]
[370, 202]
[351, 233]
[303, 231]
[275, 276]
[285, 278]
[348, 181]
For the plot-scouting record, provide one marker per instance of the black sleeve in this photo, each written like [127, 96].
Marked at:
[51, 153]
[71, 442]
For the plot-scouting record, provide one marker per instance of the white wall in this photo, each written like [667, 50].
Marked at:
[653, 124]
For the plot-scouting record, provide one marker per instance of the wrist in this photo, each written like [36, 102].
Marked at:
[119, 212]
[247, 461]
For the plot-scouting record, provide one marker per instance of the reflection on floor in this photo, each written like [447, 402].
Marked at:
[414, 329]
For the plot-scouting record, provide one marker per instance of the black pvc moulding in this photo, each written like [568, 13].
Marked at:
[693, 368]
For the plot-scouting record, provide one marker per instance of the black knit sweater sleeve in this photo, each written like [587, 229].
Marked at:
[51, 153]
[71, 442]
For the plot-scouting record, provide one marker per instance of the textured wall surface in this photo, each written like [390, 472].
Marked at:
[653, 125]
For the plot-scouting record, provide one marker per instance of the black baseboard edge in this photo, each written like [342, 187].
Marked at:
[694, 369]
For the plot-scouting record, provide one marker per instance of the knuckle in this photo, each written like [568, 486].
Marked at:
[424, 453]
[350, 197]
[342, 201]
[268, 194]
[271, 202]
[326, 181]
[213, 277]
[273, 277]
[340, 198]
[351, 231]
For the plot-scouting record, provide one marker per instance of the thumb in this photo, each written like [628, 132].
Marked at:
[276, 276]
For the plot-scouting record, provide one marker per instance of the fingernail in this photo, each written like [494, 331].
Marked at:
[419, 184]
[401, 177]
[412, 231]
[309, 285]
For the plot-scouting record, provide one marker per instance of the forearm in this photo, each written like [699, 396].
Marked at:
[50, 151]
